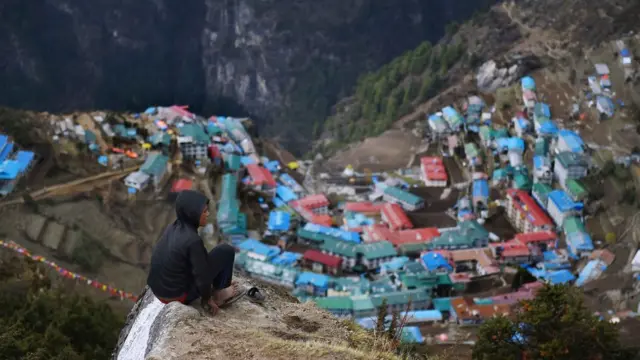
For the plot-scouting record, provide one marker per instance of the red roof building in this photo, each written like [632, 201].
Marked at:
[512, 251]
[375, 233]
[539, 237]
[413, 236]
[260, 176]
[525, 214]
[181, 185]
[324, 219]
[313, 202]
[214, 152]
[322, 258]
[321, 262]
[433, 171]
[363, 207]
[395, 217]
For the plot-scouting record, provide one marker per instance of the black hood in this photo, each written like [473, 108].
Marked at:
[189, 207]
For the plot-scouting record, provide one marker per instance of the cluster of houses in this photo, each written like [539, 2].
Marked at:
[377, 252]
[353, 256]
[14, 164]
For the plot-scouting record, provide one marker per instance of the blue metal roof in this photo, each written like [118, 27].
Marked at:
[540, 161]
[572, 139]
[246, 160]
[285, 193]
[450, 112]
[349, 236]
[278, 203]
[435, 118]
[579, 241]
[3, 141]
[433, 261]
[279, 221]
[480, 188]
[412, 334]
[317, 280]
[259, 248]
[560, 277]
[288, 180]
[6, 151]
[394, 264]
[516, 143]
[542, 109]
[625, 52]
[287, 258]
[523, 123]
[272, 165]
[528, 83]
[589, 270]
[563, 201]
[549, 127]
[9, 170]
[502, 143]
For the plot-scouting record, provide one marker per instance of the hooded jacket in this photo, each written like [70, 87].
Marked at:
[179, 260]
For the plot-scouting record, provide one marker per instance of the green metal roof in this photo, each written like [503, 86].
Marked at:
[155, 164]
[417, 281]
[412, 248]
[196, 133]
[377, 250]
[160, 138]
[404, 196]
[541, 147]
[541, 189]
[465, 235]
[522, 181]
[499, 133]
[572, 225]
[314, 236]
[229, 186]
[334, 303]
[353, 285]
[442, 304]
[444, 279]
[341, 248]
[471, 150]
[567, 158]
[362, 303]
[485, 132]
[400, 297]
[232, 161]
[90, 136]
[576, 189]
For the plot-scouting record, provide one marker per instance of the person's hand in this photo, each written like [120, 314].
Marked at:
[211, 306]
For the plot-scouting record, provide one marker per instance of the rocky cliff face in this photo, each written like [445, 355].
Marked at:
[281, 328]
[285, 61]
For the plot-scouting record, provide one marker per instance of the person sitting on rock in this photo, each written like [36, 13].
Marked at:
[181, 270]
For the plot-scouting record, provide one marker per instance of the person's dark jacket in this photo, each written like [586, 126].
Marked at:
[179, 260]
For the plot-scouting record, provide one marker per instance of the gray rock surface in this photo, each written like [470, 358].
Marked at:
[280, 328]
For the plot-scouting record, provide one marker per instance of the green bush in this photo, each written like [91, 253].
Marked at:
[39, 322]
[556, 324]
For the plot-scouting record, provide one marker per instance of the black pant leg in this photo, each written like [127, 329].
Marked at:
[221, 260]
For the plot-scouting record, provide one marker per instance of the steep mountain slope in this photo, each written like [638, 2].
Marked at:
[530, 34]
[285, 62]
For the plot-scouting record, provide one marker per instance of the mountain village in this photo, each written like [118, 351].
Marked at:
[445, 242]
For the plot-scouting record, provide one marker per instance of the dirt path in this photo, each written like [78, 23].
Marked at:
[75, 186]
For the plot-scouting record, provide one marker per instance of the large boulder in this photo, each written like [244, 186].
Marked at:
[281, 328]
